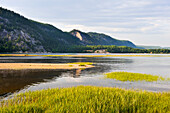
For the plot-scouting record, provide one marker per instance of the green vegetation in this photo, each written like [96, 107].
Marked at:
[55, 40]
[45, 34]
[7, 46]
[122, 49]
[88, 99]
[82, 63]
[71, 65]
[93, 38]
[127, 76]
[22, 31]
[109, 48]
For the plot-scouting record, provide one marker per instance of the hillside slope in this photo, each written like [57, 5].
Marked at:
[92, 38]
[19, 34]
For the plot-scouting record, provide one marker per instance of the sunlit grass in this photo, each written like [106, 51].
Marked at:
[127, 76]
[88, 99]
[82, 63]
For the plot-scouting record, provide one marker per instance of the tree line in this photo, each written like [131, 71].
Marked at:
[8, 47]
[108, 48]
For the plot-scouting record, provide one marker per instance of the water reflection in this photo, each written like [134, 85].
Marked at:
[77, 73]
[12, 81]
[15, 80]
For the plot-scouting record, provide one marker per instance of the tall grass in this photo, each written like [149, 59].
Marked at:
[88, 99]
[127, 76]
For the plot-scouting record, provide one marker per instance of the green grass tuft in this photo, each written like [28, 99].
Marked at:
[88, 99]
[127, 76]
[82, 63]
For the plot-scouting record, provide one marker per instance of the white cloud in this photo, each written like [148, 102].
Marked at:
[133, 4]
[137, 20]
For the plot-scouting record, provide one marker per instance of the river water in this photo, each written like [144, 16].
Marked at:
[29, 80]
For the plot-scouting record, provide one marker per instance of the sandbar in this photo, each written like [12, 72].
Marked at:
[20, 66]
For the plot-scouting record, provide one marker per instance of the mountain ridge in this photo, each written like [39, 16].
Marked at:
[94, 38]
[19, 34]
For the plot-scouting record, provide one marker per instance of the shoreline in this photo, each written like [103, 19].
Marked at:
[42, 66]
[106, 55]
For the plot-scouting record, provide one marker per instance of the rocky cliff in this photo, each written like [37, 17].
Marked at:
[92, 38]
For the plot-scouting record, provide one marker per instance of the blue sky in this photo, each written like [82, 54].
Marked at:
[144, 22]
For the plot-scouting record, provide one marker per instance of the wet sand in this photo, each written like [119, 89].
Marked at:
[20, 66]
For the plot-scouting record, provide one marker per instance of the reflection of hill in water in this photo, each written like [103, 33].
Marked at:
[13, 80]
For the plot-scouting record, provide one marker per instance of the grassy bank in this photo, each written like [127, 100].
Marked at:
[127, 76]
[88, 99]
[81, 63]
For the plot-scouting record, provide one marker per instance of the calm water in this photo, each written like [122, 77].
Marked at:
[24, 80]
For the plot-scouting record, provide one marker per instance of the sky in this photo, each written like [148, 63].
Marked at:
[144, 22]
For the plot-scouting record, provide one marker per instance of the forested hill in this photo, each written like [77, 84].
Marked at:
[93, 38]
[18, 33]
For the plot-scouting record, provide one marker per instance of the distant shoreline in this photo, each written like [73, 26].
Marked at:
[90, 55]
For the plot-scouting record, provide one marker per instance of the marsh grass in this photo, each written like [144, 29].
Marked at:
[127, 76]
[88, 99]
[82, 63]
